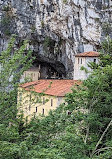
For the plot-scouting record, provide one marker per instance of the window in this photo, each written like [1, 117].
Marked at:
[59, 99]
[34, 114]
[20, 97]
[29, 107]
[30, 103]
[51, 102]
[69, 113]
[81, 61]
[30, 97]
[36, 109]
[94, 60]
[31, 75]
[26, 109]
[38, 75]
[43, 111]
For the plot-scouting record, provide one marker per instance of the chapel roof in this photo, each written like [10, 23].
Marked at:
[88, 54]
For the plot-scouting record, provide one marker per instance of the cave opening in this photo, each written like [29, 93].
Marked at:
[50, 70]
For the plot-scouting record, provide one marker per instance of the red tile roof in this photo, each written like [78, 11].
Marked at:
[88, 54]
[51, 87]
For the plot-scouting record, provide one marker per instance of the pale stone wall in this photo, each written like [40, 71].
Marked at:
[83, 61]
[32, 104]
[32, 74]
[79, 74]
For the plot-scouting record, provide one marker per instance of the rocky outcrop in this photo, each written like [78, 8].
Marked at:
[57, 29]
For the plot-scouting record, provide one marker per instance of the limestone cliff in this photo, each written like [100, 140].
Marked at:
[57, 29]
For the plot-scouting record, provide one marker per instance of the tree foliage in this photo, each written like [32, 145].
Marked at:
[84, 133]
[13, 62]
[106, 52]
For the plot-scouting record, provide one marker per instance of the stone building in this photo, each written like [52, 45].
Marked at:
[39, 97]
[32, 74]
[83, 59]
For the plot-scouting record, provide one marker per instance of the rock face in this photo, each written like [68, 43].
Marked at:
[57, 29]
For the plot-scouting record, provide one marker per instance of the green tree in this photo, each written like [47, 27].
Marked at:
[84, 133]
[106, 52]
[93, 104]
[13, 62]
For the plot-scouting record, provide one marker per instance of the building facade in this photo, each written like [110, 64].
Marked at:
[32, 74]
[39, 97]
[83, 59]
